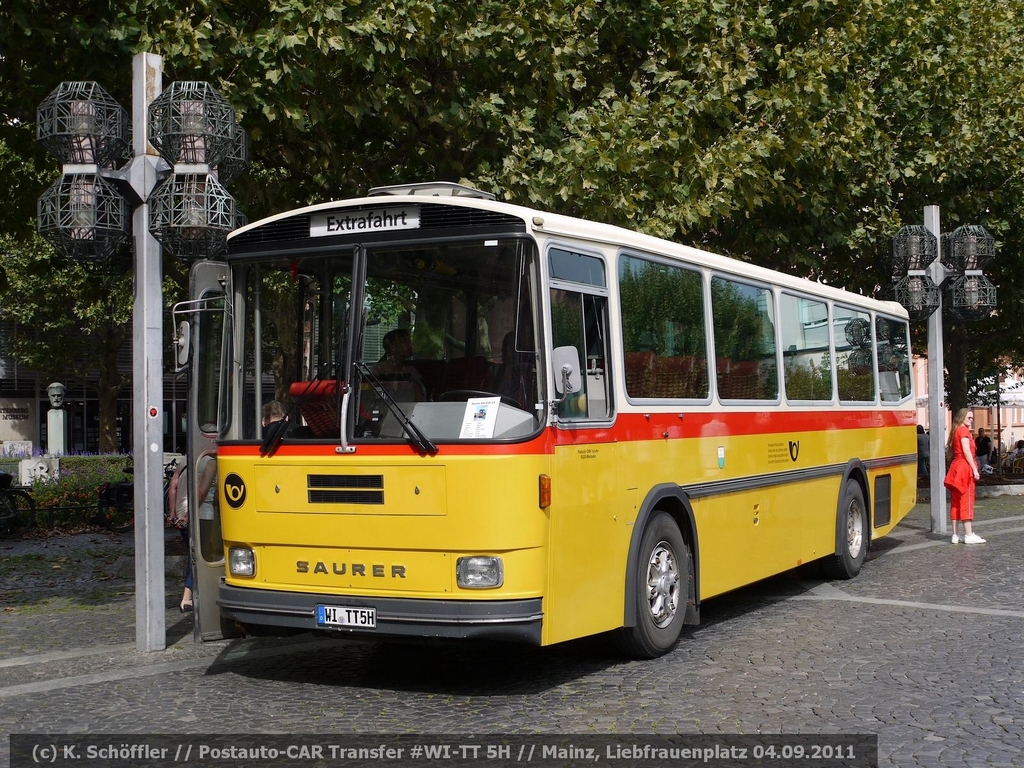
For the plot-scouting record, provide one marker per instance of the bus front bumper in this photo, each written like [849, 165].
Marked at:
[509, 620]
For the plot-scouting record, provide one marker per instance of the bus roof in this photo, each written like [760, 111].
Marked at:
[545, 224]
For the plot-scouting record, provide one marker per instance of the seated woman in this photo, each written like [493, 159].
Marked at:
[401, 380]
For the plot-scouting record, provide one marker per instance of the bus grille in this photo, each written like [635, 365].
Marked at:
[345, 489]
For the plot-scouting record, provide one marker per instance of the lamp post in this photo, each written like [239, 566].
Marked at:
[924, 261]
[108, 169]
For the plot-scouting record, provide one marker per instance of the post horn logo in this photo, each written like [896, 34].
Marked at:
[234, 491]
[794, 449]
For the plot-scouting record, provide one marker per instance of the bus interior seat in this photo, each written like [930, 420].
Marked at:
[440, 376]
[318, 404]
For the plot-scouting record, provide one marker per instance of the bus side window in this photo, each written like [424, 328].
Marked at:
[580, 320]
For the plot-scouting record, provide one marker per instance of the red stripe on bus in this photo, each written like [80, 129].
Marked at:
[630, 427]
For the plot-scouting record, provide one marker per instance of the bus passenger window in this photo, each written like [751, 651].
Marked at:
[855, 368]
[745, 345]
[663, 333]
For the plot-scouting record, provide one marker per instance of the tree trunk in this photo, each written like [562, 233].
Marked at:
[955, 357]
[109, 386]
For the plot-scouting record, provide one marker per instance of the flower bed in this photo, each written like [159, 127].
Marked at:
[69, 499]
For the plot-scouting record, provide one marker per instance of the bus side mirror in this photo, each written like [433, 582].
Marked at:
[182, 339]
[566, 364]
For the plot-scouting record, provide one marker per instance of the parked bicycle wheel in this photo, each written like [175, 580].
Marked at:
[115, 509]
[17, 512]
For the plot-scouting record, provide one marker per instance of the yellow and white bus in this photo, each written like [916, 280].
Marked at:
[509, 424]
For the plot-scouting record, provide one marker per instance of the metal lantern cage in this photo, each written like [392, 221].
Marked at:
[918, 294]
[967, 248]
[972, 297]
[966, 251]
[85, 214]
[858, 333]
[914, 248]
[191, 215]
[191, 124]
[234, 162]
[81, 124]
[84, 217]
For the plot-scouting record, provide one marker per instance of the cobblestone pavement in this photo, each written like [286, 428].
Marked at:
[922, 649]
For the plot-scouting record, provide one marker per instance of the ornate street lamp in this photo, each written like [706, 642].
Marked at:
[192, 124]
[82, 215]
[966, 251]
[195, 130]
[82, 125]
[110, 177]
[913, 250]
[192, 214]
[919, 273]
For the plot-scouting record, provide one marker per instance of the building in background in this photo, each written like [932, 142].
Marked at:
[1005, 422]
[24, 404]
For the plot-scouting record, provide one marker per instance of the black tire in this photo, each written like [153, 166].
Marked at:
[17, 512]
[118, 518]
[851, 534]
[8, 515]
[662, 586]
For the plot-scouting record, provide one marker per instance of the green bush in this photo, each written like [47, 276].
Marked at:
[75, 487]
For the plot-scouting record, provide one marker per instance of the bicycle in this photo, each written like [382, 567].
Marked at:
[115, 506]
[17, 507]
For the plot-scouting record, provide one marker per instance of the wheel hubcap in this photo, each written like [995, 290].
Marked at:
[854, 530]
[662, 585]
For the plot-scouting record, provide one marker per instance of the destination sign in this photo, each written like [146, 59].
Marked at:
[361, 221]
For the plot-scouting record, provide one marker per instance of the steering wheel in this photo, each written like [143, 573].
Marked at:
[462, 395]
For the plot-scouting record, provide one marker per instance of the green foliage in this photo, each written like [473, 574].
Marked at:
[798, 136]
[65, 314]
[662, 309]
[855, 386]
[78, 481]
[740, 324]
[808, 382]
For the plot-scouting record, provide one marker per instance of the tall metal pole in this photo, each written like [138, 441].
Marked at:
[147, 371]
[936, 385]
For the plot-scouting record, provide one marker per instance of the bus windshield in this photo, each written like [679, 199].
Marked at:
[443, 343]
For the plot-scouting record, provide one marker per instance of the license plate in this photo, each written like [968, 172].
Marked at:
[346, 616]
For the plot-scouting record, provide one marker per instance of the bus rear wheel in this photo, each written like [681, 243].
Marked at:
[851, 535]
[661, 584]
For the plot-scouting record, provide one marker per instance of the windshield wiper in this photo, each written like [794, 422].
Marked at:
[273, 434]
[421, 440]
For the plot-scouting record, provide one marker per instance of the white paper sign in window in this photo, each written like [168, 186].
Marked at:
[480, 417]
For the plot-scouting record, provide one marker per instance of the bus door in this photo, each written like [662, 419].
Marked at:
[587, 524]
[204, 334]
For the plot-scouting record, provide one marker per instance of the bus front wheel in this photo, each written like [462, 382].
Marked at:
[851, 535]
[661, 584]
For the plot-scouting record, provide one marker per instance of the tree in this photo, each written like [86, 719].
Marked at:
[66, 340]
[796, 136]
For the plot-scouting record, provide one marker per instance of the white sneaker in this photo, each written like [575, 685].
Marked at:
[956, 539]
[973, 538]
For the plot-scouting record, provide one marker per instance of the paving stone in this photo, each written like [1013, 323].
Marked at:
[922, 648]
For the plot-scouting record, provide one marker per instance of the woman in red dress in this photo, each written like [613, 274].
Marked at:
[961, 477]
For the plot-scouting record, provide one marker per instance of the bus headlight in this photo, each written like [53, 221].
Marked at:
[479, 572]
[241, 562]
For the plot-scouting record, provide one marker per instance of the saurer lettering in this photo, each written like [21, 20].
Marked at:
[376, 570]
